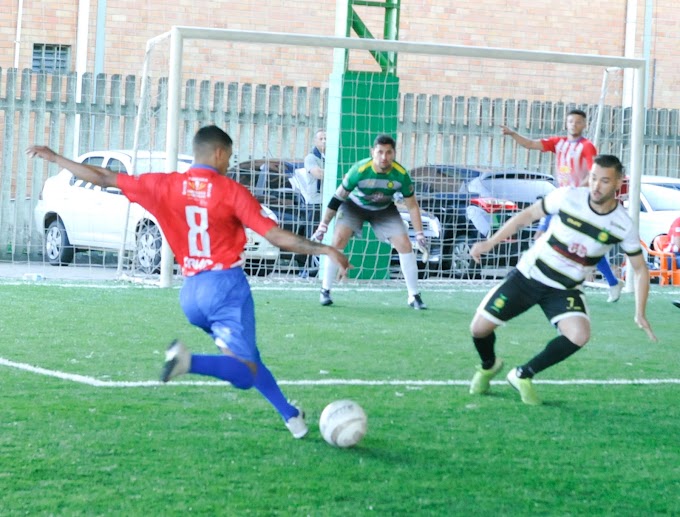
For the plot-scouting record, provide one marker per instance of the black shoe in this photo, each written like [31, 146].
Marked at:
[325, 297]
[677, 303]
[417, 303]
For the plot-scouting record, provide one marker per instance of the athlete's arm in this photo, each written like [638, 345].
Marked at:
[297, 244]
[641, 293]
[341, 194]
[97, 175]
[525, 142]
[510, 228]
[414, 209]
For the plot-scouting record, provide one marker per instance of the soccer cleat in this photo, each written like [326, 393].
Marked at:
[417, 302]
[177, 361]
[677, 303]
[481, 380]
[525, 388]
[297, 425]
[615, 292]
[325, 297]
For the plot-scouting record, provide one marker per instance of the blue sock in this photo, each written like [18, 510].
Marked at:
[223, 367]
[266, 384]
[604, 268]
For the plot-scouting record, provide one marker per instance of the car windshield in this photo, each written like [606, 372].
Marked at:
[661, 198]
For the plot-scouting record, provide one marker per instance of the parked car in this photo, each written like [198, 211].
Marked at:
[76, 215]
[470, 203]
[659, 206]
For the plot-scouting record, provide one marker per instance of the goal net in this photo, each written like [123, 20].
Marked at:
[445, 106]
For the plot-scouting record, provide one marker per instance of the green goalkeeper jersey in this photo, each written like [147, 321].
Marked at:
[373, 190]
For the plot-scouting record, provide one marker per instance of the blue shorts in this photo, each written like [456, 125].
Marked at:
[220, 303]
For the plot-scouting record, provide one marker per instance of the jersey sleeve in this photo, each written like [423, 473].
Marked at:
[351, 179]
[589, 153]
[139, 189]
[250, 212]
[554, 200]
[407, 187]
[550, 143]
[631, 242]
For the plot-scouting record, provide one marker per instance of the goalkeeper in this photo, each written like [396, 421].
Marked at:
[367, 194]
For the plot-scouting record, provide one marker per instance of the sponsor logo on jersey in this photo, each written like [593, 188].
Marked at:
[197, 188]
[197, 264]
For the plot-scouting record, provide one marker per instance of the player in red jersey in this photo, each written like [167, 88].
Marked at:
[574, 155]
[203, 214]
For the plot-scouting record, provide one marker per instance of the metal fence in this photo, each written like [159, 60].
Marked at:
[273, 120]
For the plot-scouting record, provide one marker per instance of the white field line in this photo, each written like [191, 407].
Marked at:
[91, 381]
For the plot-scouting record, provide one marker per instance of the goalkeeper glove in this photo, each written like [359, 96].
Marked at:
[320, 232]
[421, 244]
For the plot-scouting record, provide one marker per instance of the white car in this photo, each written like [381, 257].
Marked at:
[659, 206]
[76, 215]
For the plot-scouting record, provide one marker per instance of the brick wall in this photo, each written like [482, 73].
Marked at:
[523, 24]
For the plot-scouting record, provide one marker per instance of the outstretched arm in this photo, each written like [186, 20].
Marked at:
[297, 244]
[525, 142]
[97, 175]
[510, 228]
[641, 294]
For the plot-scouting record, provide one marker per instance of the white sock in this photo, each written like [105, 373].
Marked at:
[329, 274]
[409, 267]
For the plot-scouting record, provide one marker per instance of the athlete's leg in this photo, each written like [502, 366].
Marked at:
[341, 237]
[568, 311]
[388, 225]
[407, 261]
[606, 270]
[212, 301]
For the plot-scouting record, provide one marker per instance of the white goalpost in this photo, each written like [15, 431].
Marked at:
[271, 91]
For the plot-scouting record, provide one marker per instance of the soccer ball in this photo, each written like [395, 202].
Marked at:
[343, 423]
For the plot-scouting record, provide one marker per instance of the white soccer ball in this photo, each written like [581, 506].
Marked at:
[343, 423]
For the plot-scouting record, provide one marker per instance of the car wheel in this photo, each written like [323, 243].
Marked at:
[58, 249]
[148, 251]
[463, 266]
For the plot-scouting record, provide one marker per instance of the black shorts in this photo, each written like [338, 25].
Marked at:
[518, 293]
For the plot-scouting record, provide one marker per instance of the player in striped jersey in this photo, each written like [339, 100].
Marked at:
[573, 159]
[588, 222]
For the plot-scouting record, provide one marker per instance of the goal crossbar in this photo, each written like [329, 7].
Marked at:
[308, 40]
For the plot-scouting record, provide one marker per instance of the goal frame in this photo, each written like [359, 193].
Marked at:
[179, 34]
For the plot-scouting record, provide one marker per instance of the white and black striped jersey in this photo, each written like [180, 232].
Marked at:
[577, 238]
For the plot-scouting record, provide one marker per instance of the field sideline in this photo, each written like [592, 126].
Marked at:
[87, 429]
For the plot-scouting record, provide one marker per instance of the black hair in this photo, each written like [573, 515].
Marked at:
[578, 112]
[210, 137]
[609, 161]
[384, 140]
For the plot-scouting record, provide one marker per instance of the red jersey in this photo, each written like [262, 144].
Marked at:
[673, 232]
[573, 159]
[202, 215]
